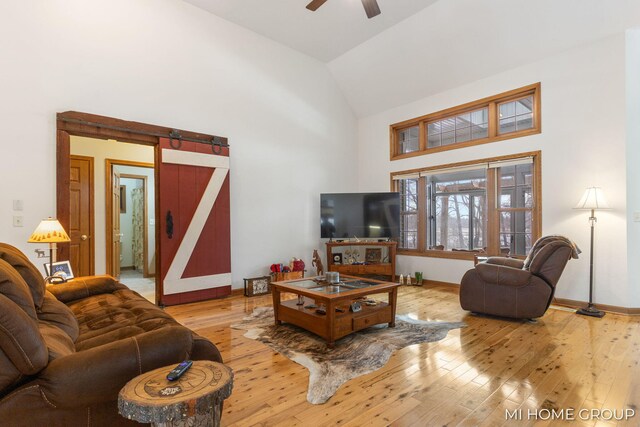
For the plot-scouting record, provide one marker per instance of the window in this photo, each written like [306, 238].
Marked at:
[516, 115]
[457, 210]
[463, 127]
[488, 206]
[409, 213]
[507, 115]
[515, 208]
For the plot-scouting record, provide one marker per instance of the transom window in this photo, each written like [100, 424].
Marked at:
[507, 115]
[490, 206]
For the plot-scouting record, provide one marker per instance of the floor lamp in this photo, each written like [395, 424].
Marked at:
[592, 200]
[49, 231]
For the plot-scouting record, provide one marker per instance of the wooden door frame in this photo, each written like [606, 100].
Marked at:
[109, 164]
[92, 229]
[101, 127]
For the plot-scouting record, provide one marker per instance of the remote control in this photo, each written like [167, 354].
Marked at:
[179, 370]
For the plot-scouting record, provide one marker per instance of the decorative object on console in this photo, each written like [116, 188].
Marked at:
[50, 231]
[355, 355]
[257, 286]
[418, 275]
[317, 263]
[593, 199]
[373, 255]
[296, 264]
[337, 258]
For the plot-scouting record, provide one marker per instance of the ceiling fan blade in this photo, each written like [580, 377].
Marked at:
[315, 4]
[371, 7]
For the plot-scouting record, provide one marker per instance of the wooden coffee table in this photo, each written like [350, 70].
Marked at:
[335, 324]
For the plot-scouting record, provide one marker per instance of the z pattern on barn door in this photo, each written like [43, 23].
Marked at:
[195, 243]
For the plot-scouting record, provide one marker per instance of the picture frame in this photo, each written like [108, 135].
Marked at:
[337, 258]
[60, 269]
[257, 286]
[123, 199]
[373, 255]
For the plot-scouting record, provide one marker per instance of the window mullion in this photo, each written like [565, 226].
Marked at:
[493, 215]
[422, 136]
[422, 214]
[493, 120]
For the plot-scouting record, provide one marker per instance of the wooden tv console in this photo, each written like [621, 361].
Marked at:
[387, 268]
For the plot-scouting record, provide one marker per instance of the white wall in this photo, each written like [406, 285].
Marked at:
[582, 144]
[633, 161]
[169, 63]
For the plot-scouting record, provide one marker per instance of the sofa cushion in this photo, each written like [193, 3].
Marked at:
[10, 376]
[57, 341]
[20, 338]
[13, 287]
[27, 270]
[117, 315]
[54, 312]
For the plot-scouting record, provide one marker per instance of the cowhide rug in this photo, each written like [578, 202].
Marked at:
[354, 355]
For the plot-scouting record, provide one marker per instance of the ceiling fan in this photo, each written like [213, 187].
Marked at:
[370, 6]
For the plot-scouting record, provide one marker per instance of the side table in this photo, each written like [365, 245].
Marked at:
[192, 400]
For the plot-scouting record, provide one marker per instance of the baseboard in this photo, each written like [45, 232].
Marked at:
[630, 311]
[237, 292]
[129, 267]
[435, 283]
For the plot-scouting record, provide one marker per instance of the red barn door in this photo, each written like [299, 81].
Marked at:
[195, 242]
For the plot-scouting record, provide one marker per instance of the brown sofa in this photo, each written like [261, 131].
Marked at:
[67, 350]
[510, 287]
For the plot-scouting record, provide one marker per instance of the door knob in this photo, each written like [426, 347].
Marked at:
[83, 237]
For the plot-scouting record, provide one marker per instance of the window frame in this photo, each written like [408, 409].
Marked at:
[490, 102]
[492, 200]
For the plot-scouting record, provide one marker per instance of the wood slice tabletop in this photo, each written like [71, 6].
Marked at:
[151, 398]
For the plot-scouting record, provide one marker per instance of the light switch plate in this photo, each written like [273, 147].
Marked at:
[636, 217]
[18, 205]
[152, 221]
[17, 221]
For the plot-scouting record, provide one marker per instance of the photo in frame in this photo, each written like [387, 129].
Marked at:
[337, 258]
[257, 286]
[60, 269]
[373, 255]
[123, 199]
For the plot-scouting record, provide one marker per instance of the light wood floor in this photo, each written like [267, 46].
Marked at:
[469, 379]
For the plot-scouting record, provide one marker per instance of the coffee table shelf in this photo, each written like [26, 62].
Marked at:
[334, 325]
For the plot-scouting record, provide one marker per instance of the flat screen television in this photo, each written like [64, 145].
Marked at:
[361, 215]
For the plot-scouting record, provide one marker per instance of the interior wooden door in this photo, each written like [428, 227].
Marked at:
[195, 242]
[115, 224]
[81, 247]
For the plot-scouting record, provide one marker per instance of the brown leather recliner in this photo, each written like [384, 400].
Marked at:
[67, 350]
[510, 287]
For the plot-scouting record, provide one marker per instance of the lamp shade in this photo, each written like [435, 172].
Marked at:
[593, 198]
[49, 231]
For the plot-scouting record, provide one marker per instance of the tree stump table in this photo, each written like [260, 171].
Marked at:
[193, 400]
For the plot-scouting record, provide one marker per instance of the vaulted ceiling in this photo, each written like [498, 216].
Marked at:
[417, 48]
[335, 28]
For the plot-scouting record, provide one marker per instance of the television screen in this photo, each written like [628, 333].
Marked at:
[361, 215]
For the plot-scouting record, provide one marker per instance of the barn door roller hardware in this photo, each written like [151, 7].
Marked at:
[216, 142]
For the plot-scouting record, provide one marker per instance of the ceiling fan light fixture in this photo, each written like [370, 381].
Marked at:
[370, 7]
